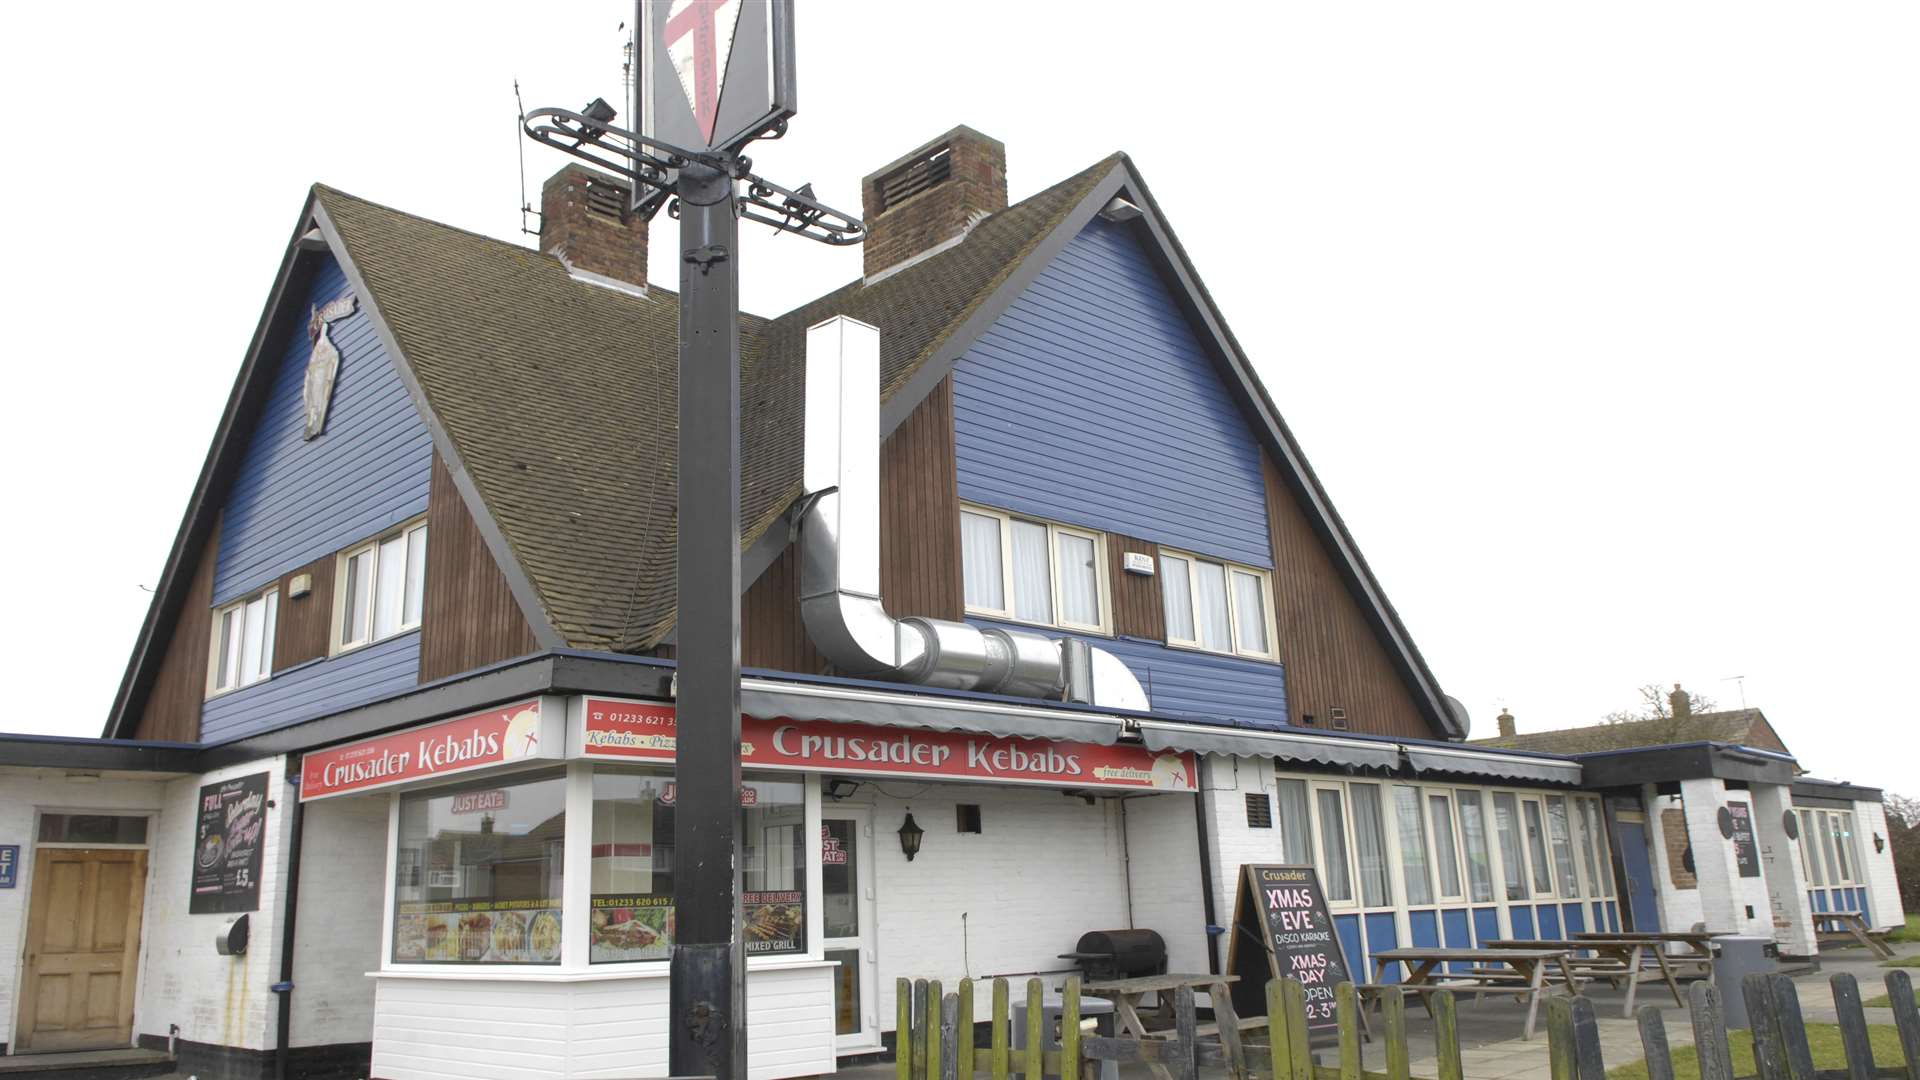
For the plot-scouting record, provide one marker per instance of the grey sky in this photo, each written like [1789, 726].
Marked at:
[1598, 321]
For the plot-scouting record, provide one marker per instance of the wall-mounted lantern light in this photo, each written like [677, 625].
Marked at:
[1879, 843]
[910, 835]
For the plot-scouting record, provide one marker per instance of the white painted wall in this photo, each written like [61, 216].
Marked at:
[24, 793]
[221, 1000]
[1163, 861]
[430, 1026]
[1883, 886]
[1786, 883]
[337, 939]
[1679, 908]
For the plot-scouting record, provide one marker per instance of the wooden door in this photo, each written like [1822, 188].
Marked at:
[83, 941]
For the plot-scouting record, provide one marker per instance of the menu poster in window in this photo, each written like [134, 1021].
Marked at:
[630, 927]
[776, 922]
[1282, 929]
[227, 846]
[1746, 850]
[477, 932]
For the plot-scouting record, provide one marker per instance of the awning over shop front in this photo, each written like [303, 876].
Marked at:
[770, 699]
[1250, 742]
[1482, 763]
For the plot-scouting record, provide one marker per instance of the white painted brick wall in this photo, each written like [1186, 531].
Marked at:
[24, 793]
[1883, 886]
[1786, 881]
[337, 939]
[221, 1000]
[1046, 868]
[1163, 846]
[1679, 908]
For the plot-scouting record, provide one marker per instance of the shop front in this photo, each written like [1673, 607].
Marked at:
[527, 916]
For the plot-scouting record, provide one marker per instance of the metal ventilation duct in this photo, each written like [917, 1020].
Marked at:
[840, 560]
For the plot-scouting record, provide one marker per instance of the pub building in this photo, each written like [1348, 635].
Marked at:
[1048, 628]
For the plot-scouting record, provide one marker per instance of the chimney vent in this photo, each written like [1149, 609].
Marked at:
[1681, 704]
[927, 201]
[586, 222]
[1505, 720]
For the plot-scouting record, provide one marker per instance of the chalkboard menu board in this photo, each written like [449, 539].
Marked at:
[1281, 929]
[1746, 851]
[227, 846]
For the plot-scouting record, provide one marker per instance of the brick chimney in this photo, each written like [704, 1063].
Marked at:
[586, 223]
[1681, 704]
[930, 198]
[1505, 720]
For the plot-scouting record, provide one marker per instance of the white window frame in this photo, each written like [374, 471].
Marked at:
[1265, 578]
[1427, 795]
[335, 645]
[217, 642]
[1055, 530]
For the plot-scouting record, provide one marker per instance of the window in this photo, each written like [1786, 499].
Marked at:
[1033, 571]
[1513, 863]
[1537, 848]
[1296, 843]
[1841, 826]
[633, 861]
[1370, 846]
[477, 873]
[243, 642]
[1562, 846]
[92, 829]
[1809, 849]
[1414, 860]
[1217, 606]
[1592, 839]
[1333, 845]
[379, 588]
[1446, 855]
[1473, 836]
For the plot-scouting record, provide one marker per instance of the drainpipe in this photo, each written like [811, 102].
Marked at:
[1206, 867]
[284, 988]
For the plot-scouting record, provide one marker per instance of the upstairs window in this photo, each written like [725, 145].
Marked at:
[243, 642]
[378, 588]
[1033, 571]
[1217, 606]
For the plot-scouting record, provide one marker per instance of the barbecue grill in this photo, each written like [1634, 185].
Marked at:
[1119, 954]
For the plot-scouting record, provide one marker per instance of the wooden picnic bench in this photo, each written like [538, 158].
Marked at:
[1132, 1019]
[1522, 971]
[1844, 926]
[1613, 958]
[1697, 961]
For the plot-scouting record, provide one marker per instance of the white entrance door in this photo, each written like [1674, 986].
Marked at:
[846, 870]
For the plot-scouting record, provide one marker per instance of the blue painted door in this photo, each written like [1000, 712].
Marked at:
[1643, 906]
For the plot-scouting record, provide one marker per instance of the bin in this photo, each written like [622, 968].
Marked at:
[1740, 956]
[1091, 1008]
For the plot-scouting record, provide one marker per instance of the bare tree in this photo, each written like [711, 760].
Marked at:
[1657, 706]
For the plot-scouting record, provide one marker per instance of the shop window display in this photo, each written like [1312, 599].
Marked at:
[478, 871]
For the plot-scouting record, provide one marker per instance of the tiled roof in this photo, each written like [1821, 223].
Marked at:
[1746, 727]
[560, 397]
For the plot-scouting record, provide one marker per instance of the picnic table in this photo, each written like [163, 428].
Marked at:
[1612, 958]
[1699, 960]
[1527, 975]
[1845, 925]
[1129, 1018]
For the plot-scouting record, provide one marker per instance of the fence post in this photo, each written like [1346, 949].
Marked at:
[1853, 1027]
[1347, 1013]
[920, 1029]
[949, 1017]
[902, 1030]
[1560, 1053]
[1036, 1031]
[1653, 1041]
[1185, 1036]
[1710, 1033]
[1769, 1051]
[935, 1005]
[1446, 1036]
[1393, 1006]
[997, 1056]
[1293, 1003]
[1070, 1029]
[963, 1032]
[1906, 1019]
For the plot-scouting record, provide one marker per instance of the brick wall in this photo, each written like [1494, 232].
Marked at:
[1163, 864]
[976, 186]
[1673, 830]
[580, 232]
[343, 868]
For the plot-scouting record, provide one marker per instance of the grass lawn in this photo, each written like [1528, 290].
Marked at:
[1902, 961]
[1885, 1000]
[1824, 1038]
[1909, 932]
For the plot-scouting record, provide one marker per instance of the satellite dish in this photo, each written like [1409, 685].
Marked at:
[1459, 713]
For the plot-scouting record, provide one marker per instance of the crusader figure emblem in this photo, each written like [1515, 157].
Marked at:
[324, 362]
[699, 41]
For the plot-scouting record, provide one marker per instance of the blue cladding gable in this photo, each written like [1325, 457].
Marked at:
[1092, 401]
[294, 501]
[315, 690]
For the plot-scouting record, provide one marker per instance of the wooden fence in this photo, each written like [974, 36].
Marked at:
[937, 1036]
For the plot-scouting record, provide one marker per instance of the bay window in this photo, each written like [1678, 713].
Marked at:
[1033, 571]
[243, 642]
[477, 872]
[379, 588]
[1217, 606]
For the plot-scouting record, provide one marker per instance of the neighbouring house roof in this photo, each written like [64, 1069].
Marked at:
[554, 404]
[1743, 727]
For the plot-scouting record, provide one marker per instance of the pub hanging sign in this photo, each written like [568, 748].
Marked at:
[228, 844]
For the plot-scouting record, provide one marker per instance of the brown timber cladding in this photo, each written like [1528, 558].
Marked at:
[172, 709]
[1137, 608]
[919, 544]
[1332, 653]
[304, 623]
[469, 618]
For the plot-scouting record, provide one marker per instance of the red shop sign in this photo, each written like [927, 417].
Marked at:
[644, 731]
[511, 733]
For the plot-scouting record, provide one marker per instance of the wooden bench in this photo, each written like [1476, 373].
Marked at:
[1851, 927]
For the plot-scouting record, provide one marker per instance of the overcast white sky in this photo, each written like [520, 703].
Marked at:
[1598, 321]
